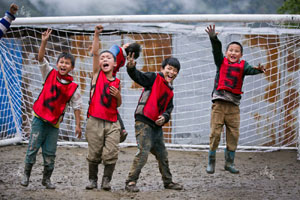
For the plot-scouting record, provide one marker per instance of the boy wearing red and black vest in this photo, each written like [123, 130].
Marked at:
[121, 53]
[58, 91]
[153, 111]
[103, 128]
[226, 98]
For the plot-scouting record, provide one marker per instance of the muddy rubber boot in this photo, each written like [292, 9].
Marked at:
[46, 178]
[229, 162]
[26, 176]
[107, 175]
[93, 176]
[211, 162]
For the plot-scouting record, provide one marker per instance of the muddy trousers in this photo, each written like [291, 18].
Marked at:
[228, 114]
[149, 139]
[42, 135]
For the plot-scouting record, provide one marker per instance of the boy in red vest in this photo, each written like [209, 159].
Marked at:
[103, 129]
[153, 111]
[121, 53]
[226, 98]
[58, 91]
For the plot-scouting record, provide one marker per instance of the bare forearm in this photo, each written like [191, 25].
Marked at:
[78, 128]
[119, 101]
[77, 117]
[42, 51]
[95, 51]
[95, 46]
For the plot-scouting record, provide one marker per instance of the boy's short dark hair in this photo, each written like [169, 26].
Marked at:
[171, 61]
[107, 51]
[237, 43]
[66, 55]
[133, 48]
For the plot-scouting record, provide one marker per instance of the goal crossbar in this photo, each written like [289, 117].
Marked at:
[158, 19]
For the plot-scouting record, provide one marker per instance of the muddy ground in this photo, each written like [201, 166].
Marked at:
[264, 175]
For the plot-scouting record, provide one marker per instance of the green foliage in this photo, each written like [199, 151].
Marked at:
[290, 7]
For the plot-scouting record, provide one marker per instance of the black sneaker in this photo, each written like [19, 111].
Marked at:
[173, 186]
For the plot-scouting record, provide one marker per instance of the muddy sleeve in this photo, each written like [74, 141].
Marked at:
[145, 79]
[167, 113]
[217, 51]
[76, 100]
[249, 70]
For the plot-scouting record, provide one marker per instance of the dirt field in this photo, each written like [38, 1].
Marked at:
[274, 175]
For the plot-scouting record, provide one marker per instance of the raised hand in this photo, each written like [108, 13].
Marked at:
[98, 29]
[130, 60]
[13, 9]
[210, 30]
[46, 34]
[260, 68]
[125, 45]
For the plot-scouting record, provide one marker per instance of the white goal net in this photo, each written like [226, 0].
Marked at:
[269, 105]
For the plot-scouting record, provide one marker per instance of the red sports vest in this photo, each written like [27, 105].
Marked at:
[53, 98]
[231, 76]
[102, 104]
[158, 100]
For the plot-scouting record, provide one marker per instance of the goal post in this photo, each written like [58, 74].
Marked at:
[269, 105]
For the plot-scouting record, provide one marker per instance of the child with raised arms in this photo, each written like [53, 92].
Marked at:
[103, 128]
[58, 92]
[226, 96]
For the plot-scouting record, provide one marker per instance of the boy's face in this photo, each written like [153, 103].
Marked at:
[64, 66]
[169, 72]
[233, 54]
[107, 62]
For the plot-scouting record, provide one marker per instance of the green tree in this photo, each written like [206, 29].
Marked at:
[290, 7]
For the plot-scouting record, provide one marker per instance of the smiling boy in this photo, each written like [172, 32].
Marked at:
[226, 97]
[153, 111]
[58, 91]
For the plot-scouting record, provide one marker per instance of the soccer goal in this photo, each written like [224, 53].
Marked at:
[269, 106]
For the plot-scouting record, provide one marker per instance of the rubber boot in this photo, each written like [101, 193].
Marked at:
[229, 162]
[26, 176]
[107, 175]
[211, 162]
[93, 176]
[46, 178]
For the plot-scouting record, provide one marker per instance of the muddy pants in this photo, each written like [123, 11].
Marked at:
[149, 139]
[228, 114]
[42, 135]
[103, 139]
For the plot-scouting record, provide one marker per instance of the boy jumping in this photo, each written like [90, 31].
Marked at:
[226, 97]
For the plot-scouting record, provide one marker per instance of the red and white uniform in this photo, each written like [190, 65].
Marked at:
[53, 98]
